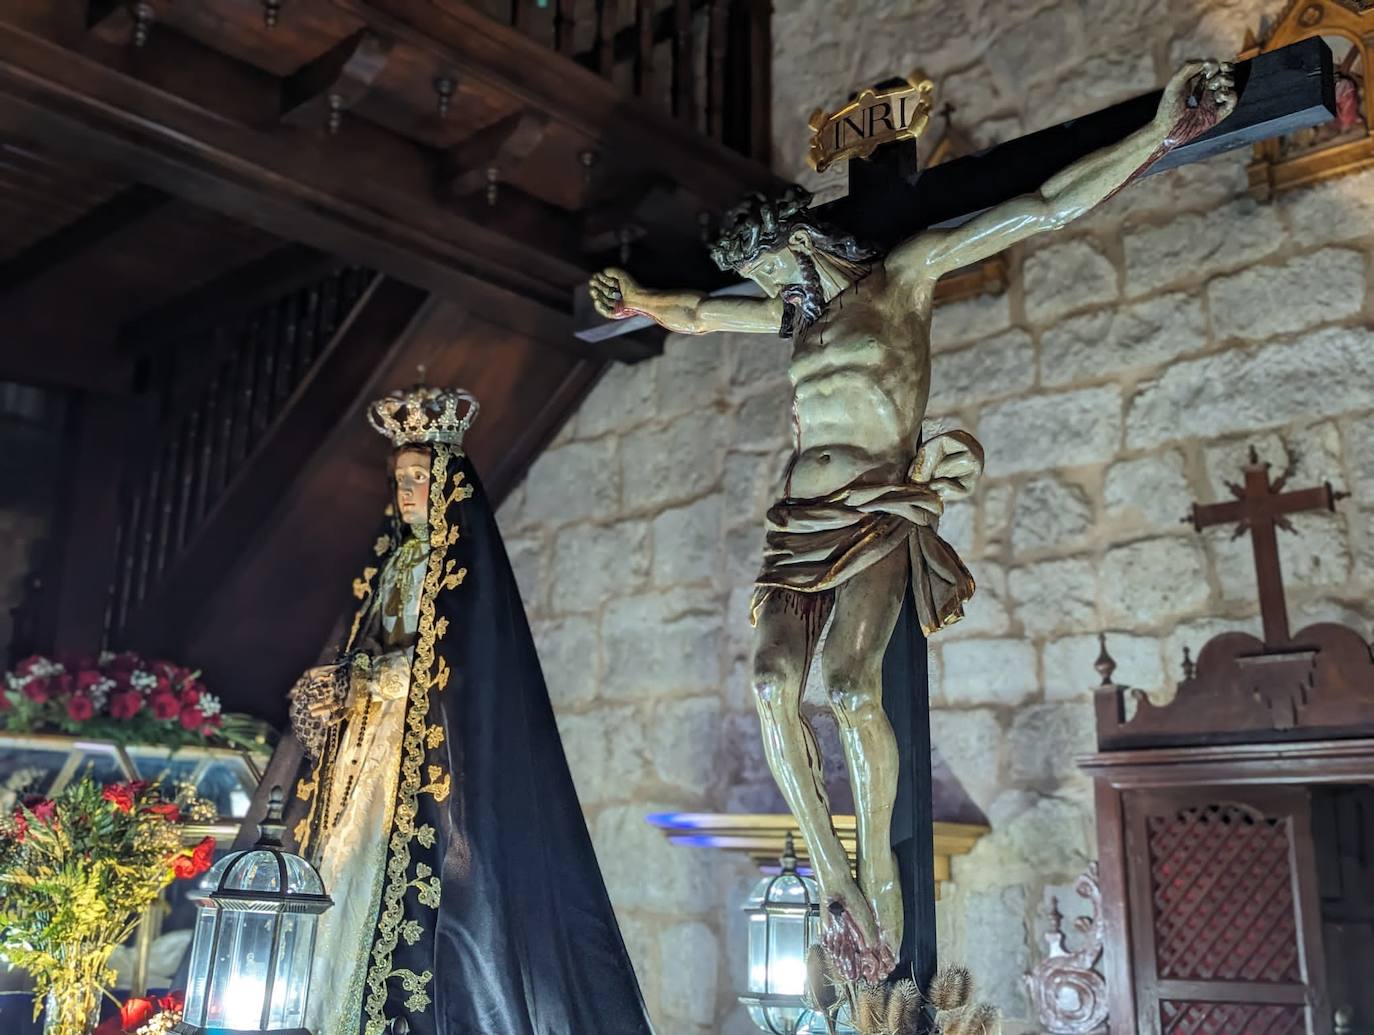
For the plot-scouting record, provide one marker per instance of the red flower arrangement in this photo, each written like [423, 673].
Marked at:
[154, 1015]
[107, 853]
[120, 697]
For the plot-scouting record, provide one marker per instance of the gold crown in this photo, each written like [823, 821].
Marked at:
[424, 414]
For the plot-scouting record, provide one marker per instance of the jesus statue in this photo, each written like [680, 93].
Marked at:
[858, 519]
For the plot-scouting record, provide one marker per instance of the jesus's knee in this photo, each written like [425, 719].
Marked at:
[854, 696]
[774, 683]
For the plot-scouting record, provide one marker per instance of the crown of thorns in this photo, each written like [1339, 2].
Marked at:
[761, 222]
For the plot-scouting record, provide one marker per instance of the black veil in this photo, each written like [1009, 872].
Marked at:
[494, 919]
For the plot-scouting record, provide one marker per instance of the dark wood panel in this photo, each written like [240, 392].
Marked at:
[297, 572]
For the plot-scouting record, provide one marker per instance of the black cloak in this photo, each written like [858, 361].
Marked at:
[494, 919]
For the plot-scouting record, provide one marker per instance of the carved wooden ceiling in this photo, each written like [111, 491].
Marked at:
[167, 166]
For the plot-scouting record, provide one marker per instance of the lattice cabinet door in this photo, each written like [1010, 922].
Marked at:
[1224, 912]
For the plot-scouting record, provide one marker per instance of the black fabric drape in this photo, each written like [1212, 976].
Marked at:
[494, 918]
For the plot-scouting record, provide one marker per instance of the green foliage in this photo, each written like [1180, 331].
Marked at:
[77, 873]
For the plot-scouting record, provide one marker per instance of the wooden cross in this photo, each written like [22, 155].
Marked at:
[1261, 507]
[891, 199]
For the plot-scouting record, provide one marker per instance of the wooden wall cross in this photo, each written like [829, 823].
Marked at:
[1261, 507]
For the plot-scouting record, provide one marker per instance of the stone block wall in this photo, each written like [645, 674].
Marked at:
[1124, 373]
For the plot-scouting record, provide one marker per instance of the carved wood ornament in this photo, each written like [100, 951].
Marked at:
[1318, 683]
[1067, 988]
[1214, 902]
[1344, 145]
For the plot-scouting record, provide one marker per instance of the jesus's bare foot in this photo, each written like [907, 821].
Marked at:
[881, 885]
[851, 940]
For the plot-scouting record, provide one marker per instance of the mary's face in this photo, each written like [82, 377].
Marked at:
[412, 485]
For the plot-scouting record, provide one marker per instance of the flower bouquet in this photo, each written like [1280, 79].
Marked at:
[153, 1015]
[119, 697]
[76, 874]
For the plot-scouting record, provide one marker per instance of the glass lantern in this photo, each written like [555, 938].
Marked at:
[784, 919]
[254, 939]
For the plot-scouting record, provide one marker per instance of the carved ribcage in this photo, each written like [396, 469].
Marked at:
[1231, 1019]
[1223, 897]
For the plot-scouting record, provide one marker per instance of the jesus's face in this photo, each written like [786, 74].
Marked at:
[773, 270]
[412, 485]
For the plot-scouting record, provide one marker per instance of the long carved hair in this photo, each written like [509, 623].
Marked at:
[760, 223]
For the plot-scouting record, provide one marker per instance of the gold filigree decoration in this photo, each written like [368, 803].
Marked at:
[434, 736]
[390, 915]
[415, 984]
[440, 783]
[453, 575]
[441, 627]
[853, 131]
[425, 835]
[305, 789]
[363, 586]
[441, 676]
[301, 831]
[411, 931]
[382, 545]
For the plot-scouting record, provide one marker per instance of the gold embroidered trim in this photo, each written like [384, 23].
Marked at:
[389, 920]
[363, 586]
[382, 545]
[434, 736]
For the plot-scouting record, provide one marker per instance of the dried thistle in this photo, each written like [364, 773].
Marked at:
[983, 1019]
[820, 980]
[870, 1007]
[904, 1008]
[951, 988]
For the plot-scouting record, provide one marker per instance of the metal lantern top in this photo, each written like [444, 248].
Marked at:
[266, 877]
[786, 893]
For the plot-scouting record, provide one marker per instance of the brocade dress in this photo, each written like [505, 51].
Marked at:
[361, 798]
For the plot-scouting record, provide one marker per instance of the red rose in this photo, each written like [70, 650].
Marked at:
[135, 1013]
[164, 704]
[190, 695]
[44, 810]
[212, 723]
[61, 685]
[21, 826]
[87, 679]
[173, 1001]
[195, 863]
[80, 707]
[168, 810]
[125, 704]
[121, 795]
[38, 690]
[28, 664]
[192, 718]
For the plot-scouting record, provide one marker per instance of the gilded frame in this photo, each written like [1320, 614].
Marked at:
[1270, 173]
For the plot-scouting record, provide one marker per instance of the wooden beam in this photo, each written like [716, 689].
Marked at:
[511, 62]
[492, 154]
[318, 94]
[372, 205]
[88, 515]
[349, 361]
[125, 210]
[336, 500]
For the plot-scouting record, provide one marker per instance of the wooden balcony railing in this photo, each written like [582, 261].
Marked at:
[703, 62]
[214, 421]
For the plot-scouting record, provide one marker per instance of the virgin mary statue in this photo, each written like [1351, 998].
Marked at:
[438, 803]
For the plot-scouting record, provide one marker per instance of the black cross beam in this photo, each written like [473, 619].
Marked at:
[890, 200]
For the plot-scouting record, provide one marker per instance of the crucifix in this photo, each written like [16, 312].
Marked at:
[854, 571]
[1261, 507]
